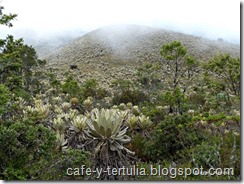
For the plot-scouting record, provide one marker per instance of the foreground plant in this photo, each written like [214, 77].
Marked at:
[106, 129]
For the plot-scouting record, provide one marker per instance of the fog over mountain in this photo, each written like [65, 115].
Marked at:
[65, 20]
[136, 43]
[47, 41]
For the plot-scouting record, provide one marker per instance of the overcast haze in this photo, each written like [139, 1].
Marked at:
[210, 19]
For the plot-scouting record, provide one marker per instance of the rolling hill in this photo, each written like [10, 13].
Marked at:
[115, 51]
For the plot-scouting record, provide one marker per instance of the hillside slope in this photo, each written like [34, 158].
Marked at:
[133, 42]
[115, 51]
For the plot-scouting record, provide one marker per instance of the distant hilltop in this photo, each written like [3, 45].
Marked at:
[135, 43]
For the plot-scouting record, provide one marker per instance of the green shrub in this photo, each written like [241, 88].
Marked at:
[206, 155]
[4, 97]
[230, 152]
[90, 89]
[56, 167]
[71, 86]
[173, 134]
[156, 113]
[133, 96]
[176, 99]
[22, 145]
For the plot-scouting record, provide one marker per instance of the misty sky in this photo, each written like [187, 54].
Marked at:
[207, 18]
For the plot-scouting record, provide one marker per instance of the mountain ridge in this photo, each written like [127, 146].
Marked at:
[134, 42]
[116, 52]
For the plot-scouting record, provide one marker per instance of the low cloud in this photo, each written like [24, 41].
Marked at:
[213, 20]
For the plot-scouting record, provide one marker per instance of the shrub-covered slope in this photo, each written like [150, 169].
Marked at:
[134, 42]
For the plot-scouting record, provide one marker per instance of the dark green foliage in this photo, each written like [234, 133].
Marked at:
[135, 97]
[4, 98]
[181, 69]
[222, 76]
[173, 51]
[5, 19]
[71, 87]
[149, 76]
[225, 70]
[138, 146]
[181, 72]
[90, 89]
[11, 63]
[156, 113]
[222, 148]
[125, 92]
[28, 152]
[56, 167]
[176, 101]
[30, 61]
[16, 64]
[230, 152]
[172, 135]
[89, 84]
[197, 100]
[22, 145]
[206, 155]
[176, 64]
[54, 83]
[122, 85]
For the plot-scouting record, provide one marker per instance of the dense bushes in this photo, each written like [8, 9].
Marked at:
[22, 145]
[71, 87]
[29, 146]
[134, 97]
[174, 134]
[4, 97]
[126, 92]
